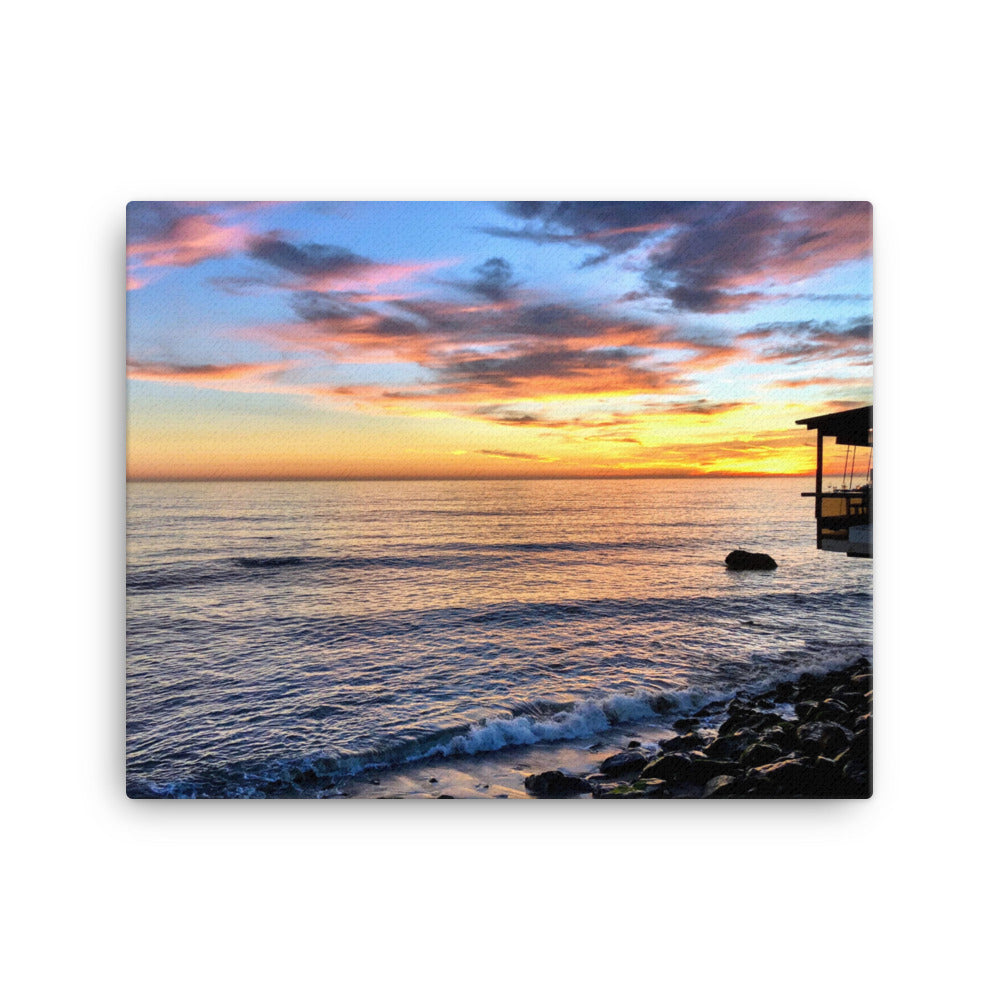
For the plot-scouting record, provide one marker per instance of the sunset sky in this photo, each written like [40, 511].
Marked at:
[480, 339]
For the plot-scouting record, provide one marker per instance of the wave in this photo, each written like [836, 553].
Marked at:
[528, 724]
[436, 556]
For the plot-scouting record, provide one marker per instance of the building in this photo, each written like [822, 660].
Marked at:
[844, 516]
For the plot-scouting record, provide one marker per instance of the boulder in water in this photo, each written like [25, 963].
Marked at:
[739, 559]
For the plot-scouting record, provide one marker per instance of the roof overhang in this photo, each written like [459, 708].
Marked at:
[848, 426]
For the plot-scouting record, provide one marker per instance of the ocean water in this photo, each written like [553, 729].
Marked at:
[289, 639]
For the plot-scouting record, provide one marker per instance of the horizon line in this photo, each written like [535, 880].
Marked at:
[456, 479]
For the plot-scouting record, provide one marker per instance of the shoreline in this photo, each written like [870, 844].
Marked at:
[803, 738]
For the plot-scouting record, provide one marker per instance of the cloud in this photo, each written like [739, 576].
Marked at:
[706, 257]
[701, 408]
[519, 455]
[494, 281]
[230, 376]
[323, 267]
[176, 234]
[721, 261]
[794, 343]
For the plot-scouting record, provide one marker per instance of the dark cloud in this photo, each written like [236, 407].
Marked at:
[319, 307]
[564, 365]
[705, 257]
[494, 281]
[151, 221]
[524, 455]
[702, 408]
[307, 259]
[615, 226]
[813, 341]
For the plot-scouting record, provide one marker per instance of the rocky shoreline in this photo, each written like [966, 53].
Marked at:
[808, 738]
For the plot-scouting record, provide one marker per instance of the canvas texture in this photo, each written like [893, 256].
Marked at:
[499, 500]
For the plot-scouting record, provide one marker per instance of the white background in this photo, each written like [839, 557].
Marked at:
[111, 102]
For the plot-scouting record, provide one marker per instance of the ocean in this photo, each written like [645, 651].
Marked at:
[413, 639]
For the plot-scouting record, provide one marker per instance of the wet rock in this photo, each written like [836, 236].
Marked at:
[784, 691]
[730, 746]
[749, 720]
[760, 753]
[432, 781]
[795, 778]
[805, 710]
[826, 738]
[672, 767]
[690, 741]
[686, 725]
[832, 710]
[722, 786]
[712, 708]
[781, 734]
[693, 768]
[555, 785]
[629, 761]
[634, 744]
[740, 560]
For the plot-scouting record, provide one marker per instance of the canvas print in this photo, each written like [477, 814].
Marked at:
[503, 500]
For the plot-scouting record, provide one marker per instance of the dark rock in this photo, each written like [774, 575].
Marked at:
[627, 762]
[432, 781]
[633, 744]
[861, 662]
[686, 725]
[555, 785]
[662, 704]
[673, 767]
[760, 753]
[749, 720]
[806, 709]
[693, 768]
[832, 710]
[793, 779]
[784, 691]
[739, 559]
[781, 734]
[730, 747]
[722, 786]
[446, 796]
[826, 738]
[690, 741]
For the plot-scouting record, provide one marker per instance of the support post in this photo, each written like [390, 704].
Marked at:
[819, 487]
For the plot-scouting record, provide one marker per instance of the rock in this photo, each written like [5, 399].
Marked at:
[446, 796]
[673, 767]
[832, 710]
[805, 710]
[432, 781]
[749, 720]
[555, 785]
[823, 738]
[730, 747]
[739, 559]
[693, 768]
[626, 762]
[781, 735]
[634, 744]
[690, 741]
[722, 786]
[760, 753]
[790, 779]
[686, 725]
[784, 691]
